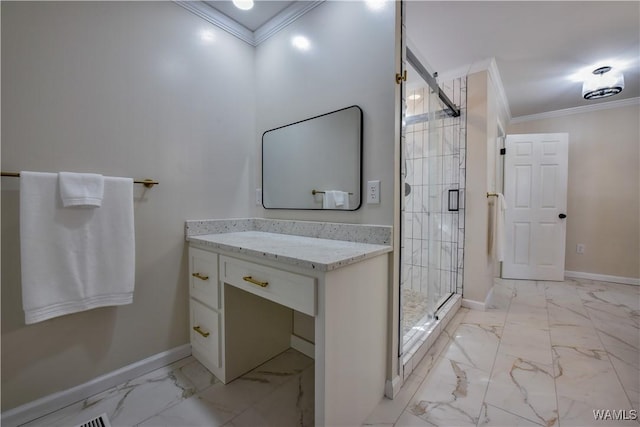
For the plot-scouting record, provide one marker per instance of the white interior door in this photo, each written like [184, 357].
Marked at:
[535, 190]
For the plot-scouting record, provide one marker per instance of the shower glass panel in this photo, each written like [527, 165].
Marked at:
[433, 209]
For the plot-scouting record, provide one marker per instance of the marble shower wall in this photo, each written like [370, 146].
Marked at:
[435, 155]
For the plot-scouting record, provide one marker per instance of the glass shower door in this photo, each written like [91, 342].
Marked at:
[441, 211]
[430, 216]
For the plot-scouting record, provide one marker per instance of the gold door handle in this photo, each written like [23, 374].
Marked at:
[200, 276]
[201, 332]
[255, 282]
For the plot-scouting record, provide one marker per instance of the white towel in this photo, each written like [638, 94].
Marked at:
[342, 199]
[501, 207]
[334, 199]
[74, 259]
[328, 200]
[81, 189]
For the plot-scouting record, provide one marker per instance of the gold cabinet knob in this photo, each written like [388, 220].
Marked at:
[200, 276]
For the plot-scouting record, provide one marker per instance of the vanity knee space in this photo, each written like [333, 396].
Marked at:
[241, 312]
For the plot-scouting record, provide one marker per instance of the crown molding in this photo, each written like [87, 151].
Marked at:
[494, 73]
[466, 70]
[218, 19]
[578, 110]
[254, 38]
[282, 19]
[491, 67]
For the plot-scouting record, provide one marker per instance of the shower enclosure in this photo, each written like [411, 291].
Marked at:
[432, 229]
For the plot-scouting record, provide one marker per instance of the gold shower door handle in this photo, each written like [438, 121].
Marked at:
[201, 332]
[255, 282]
[200, 276]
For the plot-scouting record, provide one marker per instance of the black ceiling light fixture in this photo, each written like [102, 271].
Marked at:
[603, 82]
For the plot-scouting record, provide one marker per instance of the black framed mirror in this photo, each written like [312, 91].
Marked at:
[315, 163]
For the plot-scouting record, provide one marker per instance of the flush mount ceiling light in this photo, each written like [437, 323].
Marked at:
[414, 97]
[603, 82]
[243, 4]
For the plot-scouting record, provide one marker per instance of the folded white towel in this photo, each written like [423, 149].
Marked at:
[328, 200]
[81, 189]
[334, 199]
[74, 259]
[342, 199]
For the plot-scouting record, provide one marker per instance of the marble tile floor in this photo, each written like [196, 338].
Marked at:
[278, 393]
[545, 354]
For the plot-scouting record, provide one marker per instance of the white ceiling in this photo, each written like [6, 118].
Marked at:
[536, 45]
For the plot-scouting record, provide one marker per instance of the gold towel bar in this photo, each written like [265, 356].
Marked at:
[492, 195]
[146, 182]
[314, 192]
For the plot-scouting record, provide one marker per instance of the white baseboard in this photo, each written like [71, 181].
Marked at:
[603, 277]
[488, 301]
[392, 387]
[477, 305]
[303, 346]
[473, 305]
[55, 401]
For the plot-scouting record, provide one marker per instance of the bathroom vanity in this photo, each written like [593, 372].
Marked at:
[244, 286]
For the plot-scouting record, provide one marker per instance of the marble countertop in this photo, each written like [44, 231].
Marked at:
[305, 252]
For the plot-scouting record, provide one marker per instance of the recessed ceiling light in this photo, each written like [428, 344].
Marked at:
[243, 4]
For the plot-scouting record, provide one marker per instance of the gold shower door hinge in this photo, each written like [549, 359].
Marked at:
[401, 77]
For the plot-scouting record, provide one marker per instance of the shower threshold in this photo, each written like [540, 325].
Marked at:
[421, 327]
[415, 348]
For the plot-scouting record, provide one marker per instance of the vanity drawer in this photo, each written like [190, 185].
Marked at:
[286, 288]
[203, 277]
[205, 333]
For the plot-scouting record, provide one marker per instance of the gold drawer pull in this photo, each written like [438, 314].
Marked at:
[200, 331]
[200, 276]
[255, 282]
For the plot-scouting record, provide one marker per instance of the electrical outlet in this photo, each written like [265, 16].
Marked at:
[373, 192]
[258, 196]
[580, 248]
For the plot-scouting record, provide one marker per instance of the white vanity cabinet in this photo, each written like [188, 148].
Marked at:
[204, 308]
[234, 331]
[245, 304]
